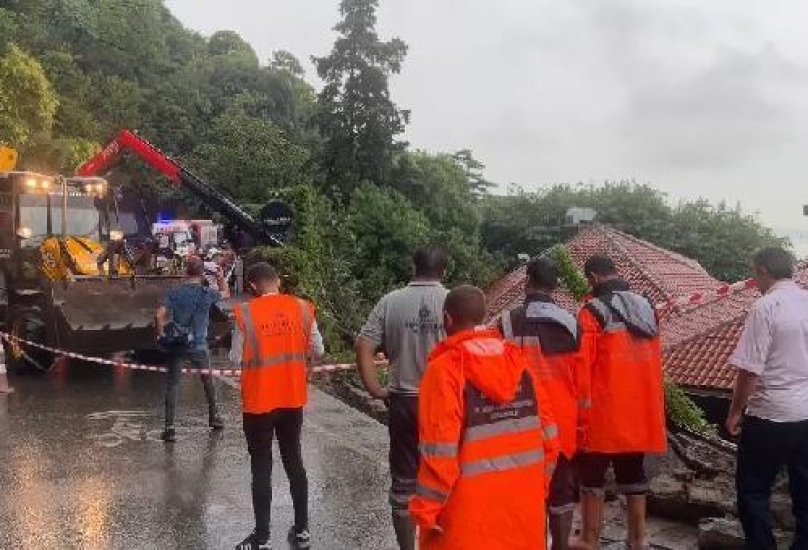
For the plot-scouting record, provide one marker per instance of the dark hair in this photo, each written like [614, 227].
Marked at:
[262, 272]
[542, 273]
[777, 262]
[599, 265]
[195, 266]
[466, 305]
[429, 261]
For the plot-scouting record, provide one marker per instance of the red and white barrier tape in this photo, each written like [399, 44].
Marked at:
[319, 369]
[699, 297]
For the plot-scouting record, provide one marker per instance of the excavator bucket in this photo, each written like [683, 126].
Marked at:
[104, 315]
[100, 315]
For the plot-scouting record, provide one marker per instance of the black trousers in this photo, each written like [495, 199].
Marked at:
[402, 425]
[260, 430]
[765, 448]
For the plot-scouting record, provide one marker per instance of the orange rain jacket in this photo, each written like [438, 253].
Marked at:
[622, 396]
[549, 336]
[277, 331]
[488, 447]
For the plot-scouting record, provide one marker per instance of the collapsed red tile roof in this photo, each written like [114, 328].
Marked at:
[653, 271]
[698, 342]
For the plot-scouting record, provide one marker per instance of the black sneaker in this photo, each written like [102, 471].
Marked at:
[300, 539]
[251, 543]
[216, 423]
[169, 435]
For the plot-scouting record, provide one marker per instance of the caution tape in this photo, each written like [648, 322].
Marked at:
[232, 372]
[699, 297]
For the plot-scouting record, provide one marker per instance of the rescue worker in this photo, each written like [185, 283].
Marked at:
[622, 408]
[488, 440]
[408, 324]
[274, 336]
[549, 337]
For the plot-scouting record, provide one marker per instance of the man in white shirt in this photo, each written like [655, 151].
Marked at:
[772, 385]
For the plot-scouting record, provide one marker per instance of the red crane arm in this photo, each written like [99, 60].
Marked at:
[126, 139]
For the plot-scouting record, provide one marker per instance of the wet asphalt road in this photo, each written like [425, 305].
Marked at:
[82, 466]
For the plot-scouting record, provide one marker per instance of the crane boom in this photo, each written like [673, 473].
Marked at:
[209, 195]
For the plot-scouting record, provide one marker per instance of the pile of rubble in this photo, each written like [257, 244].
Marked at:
[695, 484]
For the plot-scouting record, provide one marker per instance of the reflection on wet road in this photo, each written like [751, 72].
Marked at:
[82, 466]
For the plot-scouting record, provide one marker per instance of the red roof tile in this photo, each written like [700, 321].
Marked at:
[697, 342]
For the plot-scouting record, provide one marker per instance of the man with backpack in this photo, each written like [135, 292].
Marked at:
[621, 409]
[182, 330]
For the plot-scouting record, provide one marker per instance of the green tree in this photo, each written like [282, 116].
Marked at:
[249, 157]
[27, 100]
[357, 118]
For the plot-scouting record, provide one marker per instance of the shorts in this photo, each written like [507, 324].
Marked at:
[402, 425]
[563, 487]
[629, 472]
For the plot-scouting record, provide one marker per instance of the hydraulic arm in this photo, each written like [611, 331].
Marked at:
[214, 199]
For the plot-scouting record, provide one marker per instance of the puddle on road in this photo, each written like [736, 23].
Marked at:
[134, 426]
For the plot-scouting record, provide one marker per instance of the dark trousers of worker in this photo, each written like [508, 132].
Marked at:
[402, 425]
[765, 448]
[260, 430]
[194, 359]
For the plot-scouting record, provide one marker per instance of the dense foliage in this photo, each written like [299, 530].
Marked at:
[74, 72]
[721, 238]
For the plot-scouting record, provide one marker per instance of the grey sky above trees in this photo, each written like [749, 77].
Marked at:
[699, 98]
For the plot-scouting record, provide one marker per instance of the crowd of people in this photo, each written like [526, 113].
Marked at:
[498, 432]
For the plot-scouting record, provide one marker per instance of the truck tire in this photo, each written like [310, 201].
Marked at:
[28, 323]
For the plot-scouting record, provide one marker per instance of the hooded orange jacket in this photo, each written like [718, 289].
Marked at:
[622, 396]
[488, 448]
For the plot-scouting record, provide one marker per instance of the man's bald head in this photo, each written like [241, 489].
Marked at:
[464, 308]
[194, 266]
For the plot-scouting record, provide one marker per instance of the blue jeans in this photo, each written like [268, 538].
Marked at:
[198, 359]
[764, 449]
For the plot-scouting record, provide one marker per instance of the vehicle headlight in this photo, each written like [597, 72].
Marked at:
[116, 235]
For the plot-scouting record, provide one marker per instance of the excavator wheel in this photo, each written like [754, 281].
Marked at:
[28, 323]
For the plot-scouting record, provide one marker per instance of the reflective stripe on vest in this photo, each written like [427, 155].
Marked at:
[431, 494]
[502, 427]
[273, 360]
[507, 326]
[502, 463]
[446, 450]
[250, 335]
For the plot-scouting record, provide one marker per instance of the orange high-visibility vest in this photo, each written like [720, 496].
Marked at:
[488, 448]
[557, 366]
[623, 403]
[277, 331]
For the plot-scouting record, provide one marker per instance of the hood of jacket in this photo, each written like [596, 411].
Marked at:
[487, 361]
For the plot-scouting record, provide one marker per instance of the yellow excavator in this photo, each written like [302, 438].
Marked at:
[66, 278]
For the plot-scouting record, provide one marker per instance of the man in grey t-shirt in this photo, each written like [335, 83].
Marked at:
[407, 324]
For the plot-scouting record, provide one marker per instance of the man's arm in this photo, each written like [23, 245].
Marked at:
[584, 360]
[745, 385]
[236, 345]
[221, 283]
[749, 358]
[161, 320]
[366, 363]
[371, 336]
[316, 346]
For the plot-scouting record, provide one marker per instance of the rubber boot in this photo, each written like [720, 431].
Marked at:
[405, 531]
[560, 530]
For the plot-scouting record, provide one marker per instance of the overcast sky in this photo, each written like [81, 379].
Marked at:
[700, 98]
